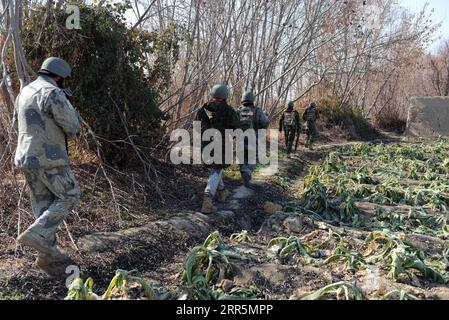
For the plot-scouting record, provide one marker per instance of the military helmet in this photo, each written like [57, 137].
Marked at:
[57, 66]
[220, 91]
[313, 105]
[290, 105]
[248, 96]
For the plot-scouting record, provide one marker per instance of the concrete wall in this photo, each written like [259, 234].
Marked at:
[428, 117]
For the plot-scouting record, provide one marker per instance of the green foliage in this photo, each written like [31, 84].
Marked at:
[112, 78]
[349, 118]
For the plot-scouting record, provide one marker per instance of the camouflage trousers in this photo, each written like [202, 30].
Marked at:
[311, 132]
[290, 135]
[247, 168]
[249, 160]
[54, 193]
[215, 182]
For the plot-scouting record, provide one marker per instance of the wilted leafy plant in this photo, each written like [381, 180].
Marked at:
[119, 285]
[79, 290]
[118, 288]
[340, 291]
[398, 295]
[243, 236]
[237, 293]
[283, 247]
[353, 260]
[315, 195]
[348, 210]
[399, 256]
[206, 263]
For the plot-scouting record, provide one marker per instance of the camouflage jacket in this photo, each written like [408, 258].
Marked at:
[251, 112]
[220, 116]
[290, 119]
[310, 114]
[43, 119]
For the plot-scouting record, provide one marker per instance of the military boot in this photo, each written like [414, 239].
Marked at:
[246, 179]
[223, 195]
[208, 205]
[34, 240]
[54, 267]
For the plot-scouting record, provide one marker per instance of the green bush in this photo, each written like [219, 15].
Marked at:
[110, 64]
[349, 118]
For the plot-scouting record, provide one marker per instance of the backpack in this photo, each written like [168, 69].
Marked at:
[310, 115]
[289, 119]
[247, 117]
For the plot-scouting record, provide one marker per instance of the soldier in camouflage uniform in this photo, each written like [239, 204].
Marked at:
[251, 117]
[291, 125]
[310, 116]
[217, 114]
[43, 120]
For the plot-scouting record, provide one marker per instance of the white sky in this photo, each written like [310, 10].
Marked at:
[440, 14]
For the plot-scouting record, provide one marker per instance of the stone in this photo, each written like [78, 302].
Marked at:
[374, 282]
[293, 224]
[269, 171]
[234, 205]
[272, 208]
[226, 214]
[428, 117]
[202, 216]
[300, 293]
[440, 293]
[271, 272]
[226, 285]
[242, 193]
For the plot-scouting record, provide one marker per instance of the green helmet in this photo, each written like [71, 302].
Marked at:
[220, 91]
[290, 105]
[313, 105]
[248, 96]
[57, 66]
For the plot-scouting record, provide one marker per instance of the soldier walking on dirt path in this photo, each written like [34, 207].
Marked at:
[310, 116]
[217, 114]
[44, 119]
[291, 125]
[251, 118]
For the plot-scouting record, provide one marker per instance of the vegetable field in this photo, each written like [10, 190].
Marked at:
[369, 221]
